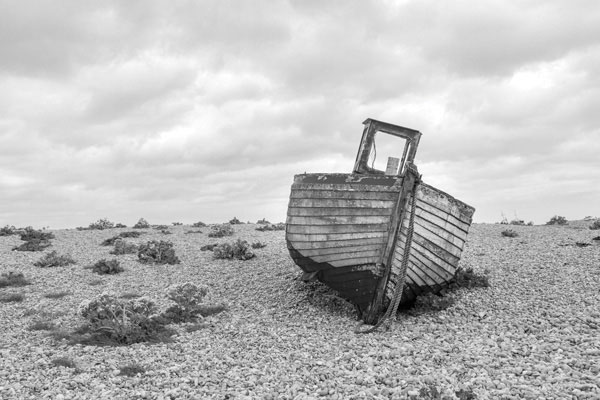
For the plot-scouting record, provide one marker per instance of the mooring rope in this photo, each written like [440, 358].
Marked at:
[395, 302]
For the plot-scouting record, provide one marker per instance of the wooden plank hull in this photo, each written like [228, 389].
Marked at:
[338, 226]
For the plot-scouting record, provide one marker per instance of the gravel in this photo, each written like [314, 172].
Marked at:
[534, 333]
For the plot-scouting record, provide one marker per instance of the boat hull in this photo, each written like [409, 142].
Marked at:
[340, 230]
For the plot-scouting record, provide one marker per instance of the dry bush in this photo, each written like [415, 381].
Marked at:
[272, 227]
[509, 233]
[104, 267]
[8, 230]
[111, 241]
[33, 234]
[12, 298]
[263, 222]
[52, 259]
[221, 230]
[157, 252]
[124, 247]
[595, 225]
[239, 249]
[198, 224]
[235, 221]
[33, 245]
[13, 279]
[208, 247]
[258, 245]
[557, 220]
[141, 224]
[101, 224]
[112, 321]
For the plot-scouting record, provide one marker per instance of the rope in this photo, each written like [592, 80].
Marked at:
[395, 302]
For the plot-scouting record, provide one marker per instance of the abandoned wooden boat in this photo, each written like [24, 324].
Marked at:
[353, 231]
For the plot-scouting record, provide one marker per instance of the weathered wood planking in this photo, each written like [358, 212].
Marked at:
[342, 194]
[333, 211]
[341, 203]
[338, 220]
[438, 240]
[335, 244]
[336, 228]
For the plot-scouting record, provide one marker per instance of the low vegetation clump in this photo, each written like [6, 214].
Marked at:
[13, 279]
[509, 233]
[235, 221]
[160, 227]
[131, 370]
[53, 259]
[272, 227]
[189, 232]
[111, 241]
[258, 245]
[141, 224]
[34, 234]
[107, 267]
[8, 230]
[557, 220]
[12, 298]
[517, 222]
[221, 230]
[102, 224]
[33, 245]
[176, 223]
[114, 321]
[239, 250]
[157, 252]
[189, 306]
[124, 247]
[120, 225]
[595, 225]
[198, 224]
[208, 247]
[263, 222]
[467, 278]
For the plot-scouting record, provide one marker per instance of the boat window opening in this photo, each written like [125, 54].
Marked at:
[388, 153]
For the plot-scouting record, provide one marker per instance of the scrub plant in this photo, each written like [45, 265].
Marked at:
[272, 227]
[13, 279]
[104, 267]
[157, 252]
[509, 233]
[239, 249]
[114, 321]
[101, 224]
[124, 247]
[33, 245]
[221, 230]
[557, 220]
[52, 259]
[189, 306]
[141, 224]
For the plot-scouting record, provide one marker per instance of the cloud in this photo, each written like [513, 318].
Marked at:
[183, 109]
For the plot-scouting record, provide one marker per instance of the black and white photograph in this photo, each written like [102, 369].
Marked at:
[300, 199]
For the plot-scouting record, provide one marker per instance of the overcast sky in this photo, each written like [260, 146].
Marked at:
[204, 110]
